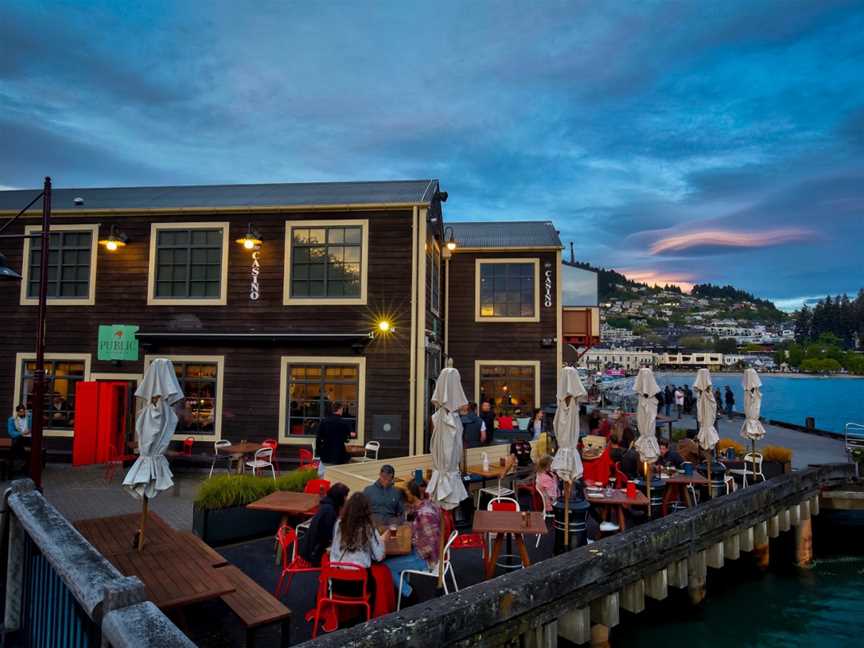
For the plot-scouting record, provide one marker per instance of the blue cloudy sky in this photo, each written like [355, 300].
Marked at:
[694, 140]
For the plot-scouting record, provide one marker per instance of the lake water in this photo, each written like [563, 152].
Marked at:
[833, 402]
[785, 606]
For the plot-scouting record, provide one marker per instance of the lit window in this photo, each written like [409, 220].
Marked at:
[199, 382]
[510, 388]
[312, 391]
[62, 376]
[326, 262]
[507, 290]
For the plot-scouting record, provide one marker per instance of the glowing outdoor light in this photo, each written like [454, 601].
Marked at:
[384, 326]
[115, 240]
[251, 239]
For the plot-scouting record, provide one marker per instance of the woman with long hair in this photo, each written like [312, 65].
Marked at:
[315, 541]
[535, 424]
[355, 538]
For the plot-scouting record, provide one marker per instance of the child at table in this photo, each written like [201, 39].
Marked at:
[546, 481]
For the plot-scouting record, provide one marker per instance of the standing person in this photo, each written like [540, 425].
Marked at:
[425, 536]
[679, 401]
[488, 416]
[385, 500]
[473, 428]
[668, 399]
[318, 538]
[535, 425]
[661, 401]
[520, 452]
[718, 398]
[333, 434]
[356, 540]
[730, 401]
[688, 400]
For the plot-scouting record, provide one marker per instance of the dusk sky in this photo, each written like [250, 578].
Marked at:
[694, 141]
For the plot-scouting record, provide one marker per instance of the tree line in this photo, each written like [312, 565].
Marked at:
[838, 316]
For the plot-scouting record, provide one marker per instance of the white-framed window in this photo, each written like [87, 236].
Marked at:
[310, 385]
[326, 262]
[512, 386]
[72, 253]
[63, 372]
[435, 276]
[188, 264]
[201, 378]
[507, 290]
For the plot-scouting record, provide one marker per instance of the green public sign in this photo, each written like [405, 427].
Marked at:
[117, 342]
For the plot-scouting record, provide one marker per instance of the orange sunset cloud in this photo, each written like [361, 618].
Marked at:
[721, 238]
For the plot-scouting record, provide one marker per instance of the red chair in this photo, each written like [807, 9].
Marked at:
[317, 486]
[274, 445]
[308, 460]
[287, 539]
[116, 459]
[470, 541]
[530, 489]
[187, 446]
[339, 572]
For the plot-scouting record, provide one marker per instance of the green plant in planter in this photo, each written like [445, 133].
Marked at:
[224, 491]
[858, 456]
[678, 433]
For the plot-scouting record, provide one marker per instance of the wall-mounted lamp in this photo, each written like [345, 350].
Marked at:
[251, 239]
[115, 240]
[450, 240]
[384, 326]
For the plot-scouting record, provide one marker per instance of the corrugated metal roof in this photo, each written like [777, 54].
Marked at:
[245, 195]
[506, 234]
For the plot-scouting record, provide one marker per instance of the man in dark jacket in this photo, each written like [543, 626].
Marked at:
[729, 397]
[333, 434]
[318, 538]
[472, 426]
[488, 416]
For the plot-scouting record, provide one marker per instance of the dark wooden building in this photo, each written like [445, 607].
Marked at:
[270, 300]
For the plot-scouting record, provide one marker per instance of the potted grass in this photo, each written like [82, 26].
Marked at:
[220, 516]
[776, 460]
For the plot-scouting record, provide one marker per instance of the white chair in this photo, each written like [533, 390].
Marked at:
[755, 469]
[263, 459]
[546, 514]
[371, 446]
[224, 443]
[495, 491]
[432, 572]
[731, 486]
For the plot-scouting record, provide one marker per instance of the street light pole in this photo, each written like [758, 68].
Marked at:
[38, 412]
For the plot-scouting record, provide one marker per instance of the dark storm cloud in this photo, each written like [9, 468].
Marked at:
[625, 123]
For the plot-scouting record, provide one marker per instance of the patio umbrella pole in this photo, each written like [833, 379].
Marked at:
[710, 484]
[567, 486]
[441, 552]
[144, 507]
[648, 488]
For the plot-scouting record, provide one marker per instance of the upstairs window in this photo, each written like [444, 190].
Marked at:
[188, 263]
[71, 265]
[507, 290]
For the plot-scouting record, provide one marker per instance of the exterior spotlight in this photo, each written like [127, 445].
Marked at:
[115, 240]
[251, 239]
[384, 326]
[451, 240]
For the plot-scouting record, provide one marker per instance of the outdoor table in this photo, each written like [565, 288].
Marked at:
[676, 485]
[665, 420]
[287, 503]
[240, 450]
[401, 544]
[355, 450]
[617, 501]
[503, 523]
[175, 572]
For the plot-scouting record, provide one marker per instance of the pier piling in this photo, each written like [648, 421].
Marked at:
[676, 574]
[785, 521]
[599, 636]
[697, 574]
[656, 586]
[575, 626]
[604, 611]
[745, 540]
[633, 597]
[761, 546]
[732, 547]
[714, 556]
[804, 543]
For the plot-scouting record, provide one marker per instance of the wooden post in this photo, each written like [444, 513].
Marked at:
[599, 636]
[774, 526]
[633, 597]
[804, 511]
[656, 585]
[604, 610]
[731, 547]
[567, 486]
[804, 543]
[144, 510]
[795, 515]
[575, 625]
[745, 540]
[676, 574]
[785, 521]
[761, 546]
[697, 573]
[714, 556]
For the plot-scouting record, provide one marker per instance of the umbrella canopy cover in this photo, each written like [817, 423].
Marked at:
[445, 486]
[706, 410]
[154, 428]
[646, 415]
[567, 463]
[752, 428]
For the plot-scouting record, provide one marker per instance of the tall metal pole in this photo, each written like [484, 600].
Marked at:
[38, 409]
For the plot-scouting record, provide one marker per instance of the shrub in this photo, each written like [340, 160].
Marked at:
[678, 433]
[776, 453]
[730, 443]
[224, 491]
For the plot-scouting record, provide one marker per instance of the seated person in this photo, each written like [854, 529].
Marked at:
[630, 463]
[385, 500]
[318, 538]
[546, 481]
[593, 421]
[520, 452]
[668, 457]
[615, 450]
[688, 449]
[425, 536]
[18, 429]
[357, 541]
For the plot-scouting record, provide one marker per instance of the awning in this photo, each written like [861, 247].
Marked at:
[253, 337]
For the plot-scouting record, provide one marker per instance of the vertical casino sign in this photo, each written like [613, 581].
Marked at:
[547, 285]
[254, 272]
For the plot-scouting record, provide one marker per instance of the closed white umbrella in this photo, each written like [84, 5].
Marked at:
[752, 428]
[646, 389]
[446, 486]
[567, 463]
[706, 411]
[154, 427]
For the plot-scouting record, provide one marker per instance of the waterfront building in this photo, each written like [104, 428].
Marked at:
[275, 300]
[688, 360]
[620, 358]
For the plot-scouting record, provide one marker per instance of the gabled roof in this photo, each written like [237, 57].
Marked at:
[260, 196]
[505, 234]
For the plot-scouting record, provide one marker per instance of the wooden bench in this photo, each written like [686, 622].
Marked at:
[215, 558]
[255, 606]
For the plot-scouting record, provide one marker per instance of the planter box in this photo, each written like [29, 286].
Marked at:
[235, 524]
